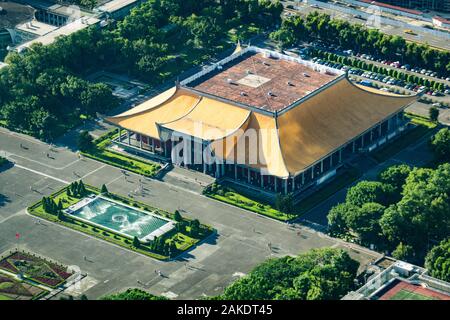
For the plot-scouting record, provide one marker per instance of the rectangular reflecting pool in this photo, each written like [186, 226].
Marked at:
[120, 218]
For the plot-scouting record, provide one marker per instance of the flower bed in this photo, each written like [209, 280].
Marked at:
[35, 269]
[11, 289]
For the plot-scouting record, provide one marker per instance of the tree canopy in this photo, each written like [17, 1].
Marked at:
[437, 261]
[407, 226]
[441, 144]
[321, 26]
[46, 92]
[320, 274]
[132, 294]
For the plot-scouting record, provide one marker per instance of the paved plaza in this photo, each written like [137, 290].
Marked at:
[240, 244]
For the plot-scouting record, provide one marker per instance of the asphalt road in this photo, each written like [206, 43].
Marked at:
[240, 244]
[424, 37]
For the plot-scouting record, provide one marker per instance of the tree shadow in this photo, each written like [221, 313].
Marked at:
[4, 200]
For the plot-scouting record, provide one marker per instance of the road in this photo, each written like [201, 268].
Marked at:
[240, 244]
[423, 37]
[415, 155]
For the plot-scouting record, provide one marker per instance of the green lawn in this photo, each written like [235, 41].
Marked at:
[408, 295]
[419, 120]
[2, 297]
[231, 196]
[101, 153]
[401, 142]
[182, 241]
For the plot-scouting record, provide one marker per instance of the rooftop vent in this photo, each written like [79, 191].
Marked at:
[219, 67]
[243, 94]
[266, 63]
[306, 75]
[270, 94]
[290, 84]
[230, 81]
[248, 71]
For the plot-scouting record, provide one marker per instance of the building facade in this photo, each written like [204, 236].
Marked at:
[265, 120]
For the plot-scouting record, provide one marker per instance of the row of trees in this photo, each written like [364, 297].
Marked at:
[43, 100]
[132, 294]
[317, 25]
[320, 274]
[391, 72]
[406, 212]
[42, 91]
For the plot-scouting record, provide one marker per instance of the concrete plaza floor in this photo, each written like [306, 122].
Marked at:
[240, 244]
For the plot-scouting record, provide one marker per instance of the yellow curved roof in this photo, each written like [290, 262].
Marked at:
[326, 121]
[262, 153]
[164, 108]
[152, 103]
[209, 120]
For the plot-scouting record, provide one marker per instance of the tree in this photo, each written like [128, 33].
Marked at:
[404, 252]
[195, 227]
[177, 216]
[441, 144]
[285, 203]
[84, 141]
[437, 261]
[433, 114]
[365, 222]
[61, 215]
[104, 190]
[136, 242]
[370, 191]
[337, 218]
[132, 294]
[320, 274]
[395, 176]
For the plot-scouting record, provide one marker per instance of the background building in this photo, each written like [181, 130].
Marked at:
[398, 280]
[435, 5]
[273, 123]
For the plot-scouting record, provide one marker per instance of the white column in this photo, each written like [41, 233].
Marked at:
[262, 180]
[248, 175]
[321, 166]
[140, 142]
[275, 183]
[128, 136]
[354, 146]
[340, 155]
[286, 186]
[303, 177]
[235, 171]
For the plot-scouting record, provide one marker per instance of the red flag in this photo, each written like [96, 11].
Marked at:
[17, 236]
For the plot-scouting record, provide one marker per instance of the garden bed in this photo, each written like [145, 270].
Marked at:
[36, 269]
[181, 236]
[100, 152]
[231, 196]
[12, 289]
